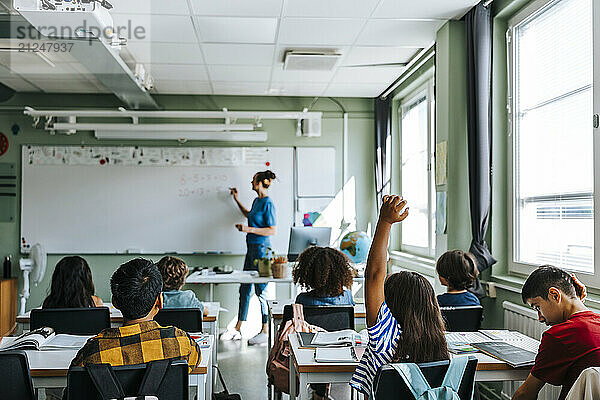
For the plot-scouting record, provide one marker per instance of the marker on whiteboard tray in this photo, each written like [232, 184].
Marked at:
[133, 251]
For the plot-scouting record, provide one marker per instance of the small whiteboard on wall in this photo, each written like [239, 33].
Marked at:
[103, 200]
[316, 171]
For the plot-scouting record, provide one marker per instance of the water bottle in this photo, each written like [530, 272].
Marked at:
[7, 267]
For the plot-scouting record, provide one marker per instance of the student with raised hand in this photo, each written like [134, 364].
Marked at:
[572, 343]
[136, 290]
[403, 318]
[72, 285]
[327, 276]
[174, 271]
[457, 270]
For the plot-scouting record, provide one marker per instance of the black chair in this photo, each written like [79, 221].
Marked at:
[173, 386]
[330, 318]
[72, 321]
[186, 319]
[14, 370]
[462, 319]
[389, 385]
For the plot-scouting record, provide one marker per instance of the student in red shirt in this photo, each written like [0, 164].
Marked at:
[572, 343]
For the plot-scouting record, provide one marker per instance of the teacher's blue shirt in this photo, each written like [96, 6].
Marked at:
[261, 215]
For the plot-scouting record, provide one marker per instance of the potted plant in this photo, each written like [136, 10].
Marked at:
[264, 264]
[280, 267]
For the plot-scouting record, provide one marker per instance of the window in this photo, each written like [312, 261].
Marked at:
[551, 136]
[418, 187]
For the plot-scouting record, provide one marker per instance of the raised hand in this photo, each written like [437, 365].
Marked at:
[393, 209]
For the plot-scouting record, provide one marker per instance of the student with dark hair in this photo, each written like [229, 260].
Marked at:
[403, 318]
[136, 290]
[72, 285]
[326, 275]
[174, 271]
[457, 271]
[261, 226]
[572, 343]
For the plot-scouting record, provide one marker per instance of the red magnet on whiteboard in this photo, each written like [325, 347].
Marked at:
[268, 164]
[102, 161]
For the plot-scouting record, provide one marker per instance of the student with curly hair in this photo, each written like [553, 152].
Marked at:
[457, 271]
[174, 271]
[326, 275]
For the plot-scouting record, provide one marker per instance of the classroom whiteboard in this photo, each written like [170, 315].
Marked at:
[102, 200]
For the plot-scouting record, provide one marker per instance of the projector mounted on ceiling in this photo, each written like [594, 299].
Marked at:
[300, 60]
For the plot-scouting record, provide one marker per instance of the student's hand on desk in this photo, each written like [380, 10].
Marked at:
[393, 209]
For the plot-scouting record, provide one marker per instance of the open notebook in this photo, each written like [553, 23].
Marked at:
[43, 339]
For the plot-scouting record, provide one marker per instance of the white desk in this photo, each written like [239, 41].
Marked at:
[276, 316]
[49, 369]
[303, 365]
[235, 277]
[210, 322]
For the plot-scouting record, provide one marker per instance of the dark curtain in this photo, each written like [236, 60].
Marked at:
[479, 124]
[382, 132]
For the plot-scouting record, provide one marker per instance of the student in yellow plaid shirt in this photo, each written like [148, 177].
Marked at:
[136, 290]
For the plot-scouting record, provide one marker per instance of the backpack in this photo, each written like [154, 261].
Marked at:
[278, 363]
[420, 388]
[109, 387]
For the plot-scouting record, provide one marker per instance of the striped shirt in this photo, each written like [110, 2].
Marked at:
[383, 342]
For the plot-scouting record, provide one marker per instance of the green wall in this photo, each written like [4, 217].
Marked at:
[281, 133]
[451, 125]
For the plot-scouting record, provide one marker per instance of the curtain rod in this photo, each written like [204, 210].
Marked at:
[412, 66]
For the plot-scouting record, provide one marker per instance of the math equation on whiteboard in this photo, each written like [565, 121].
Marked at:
[202, 184]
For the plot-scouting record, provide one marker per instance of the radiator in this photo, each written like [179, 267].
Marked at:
[525, 320]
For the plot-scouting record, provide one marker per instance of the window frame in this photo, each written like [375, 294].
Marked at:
[424, 90]
[529, 12]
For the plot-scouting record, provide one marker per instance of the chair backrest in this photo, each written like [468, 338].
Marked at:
[186, 319]
[174, 385]
[14, 370]
[73, 321]
[462, 319]
[389, 385]
[330, 318]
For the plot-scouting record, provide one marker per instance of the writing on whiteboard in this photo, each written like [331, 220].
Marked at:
[202, 184]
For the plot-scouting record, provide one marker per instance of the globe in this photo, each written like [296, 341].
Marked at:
[356, 246]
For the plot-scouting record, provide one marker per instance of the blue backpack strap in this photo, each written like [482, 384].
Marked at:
[413, 377]
[454, 375]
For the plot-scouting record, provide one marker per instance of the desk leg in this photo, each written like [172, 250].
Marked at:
[211, 292]
[209, 382]
[303, 387]
[269, 345]
[293, 388]
[201, 388]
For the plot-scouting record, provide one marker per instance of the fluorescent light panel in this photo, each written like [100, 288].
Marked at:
[256, 136]
[65, 126]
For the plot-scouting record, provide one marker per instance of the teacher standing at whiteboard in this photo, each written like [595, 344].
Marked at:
[261, 226]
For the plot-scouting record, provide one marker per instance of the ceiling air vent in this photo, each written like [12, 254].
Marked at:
[310, 60]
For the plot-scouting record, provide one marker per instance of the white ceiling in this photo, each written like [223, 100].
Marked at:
[237, 46]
